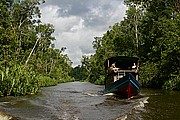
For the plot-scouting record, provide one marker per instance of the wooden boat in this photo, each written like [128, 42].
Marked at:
[122, 76]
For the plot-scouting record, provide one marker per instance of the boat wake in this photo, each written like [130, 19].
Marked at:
[138, 106]
[90, 94]
[4, 116]
[141, 103]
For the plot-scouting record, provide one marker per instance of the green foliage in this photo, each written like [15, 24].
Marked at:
[173, 83]
[28, 59]
[79, 73]
[149, 75]
[17, 81]
[44, 81]
[161, 41]
[100, 81]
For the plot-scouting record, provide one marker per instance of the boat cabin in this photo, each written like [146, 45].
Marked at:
[118, 67]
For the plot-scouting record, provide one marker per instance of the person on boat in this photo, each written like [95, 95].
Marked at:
[114, 68]
[135, 68]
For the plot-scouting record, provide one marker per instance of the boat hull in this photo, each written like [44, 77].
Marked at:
[126, 87]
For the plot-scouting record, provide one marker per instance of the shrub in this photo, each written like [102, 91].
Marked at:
[173, 83]
[16, 80]
[149, 73]
[100, 81]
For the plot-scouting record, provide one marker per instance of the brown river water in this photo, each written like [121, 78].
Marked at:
[84, 101]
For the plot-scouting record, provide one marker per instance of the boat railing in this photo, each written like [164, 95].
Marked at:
[119, 73]
[129, 71]
[124, 71]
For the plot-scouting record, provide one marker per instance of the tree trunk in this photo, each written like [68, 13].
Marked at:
[31, 52]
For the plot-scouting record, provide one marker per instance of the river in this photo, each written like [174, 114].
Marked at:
[84, 101]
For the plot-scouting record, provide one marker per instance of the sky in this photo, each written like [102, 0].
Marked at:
[77, 22]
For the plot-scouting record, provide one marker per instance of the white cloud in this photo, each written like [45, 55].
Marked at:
[76, 24]
[79, 26]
